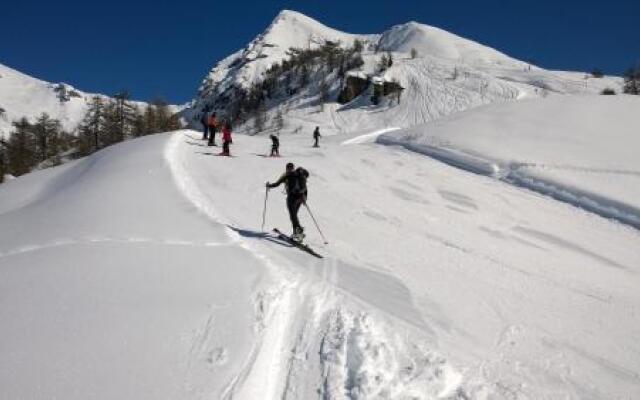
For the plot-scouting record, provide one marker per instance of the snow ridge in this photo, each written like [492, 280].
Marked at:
[435, 42]
[517, 175]
[573, 148]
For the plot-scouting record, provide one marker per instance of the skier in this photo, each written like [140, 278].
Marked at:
[316, 136]
[226, 139]
[213, 123]
[295, 180]
[275, 146]
[204, 120]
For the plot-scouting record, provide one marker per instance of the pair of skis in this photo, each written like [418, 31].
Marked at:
[295, 243]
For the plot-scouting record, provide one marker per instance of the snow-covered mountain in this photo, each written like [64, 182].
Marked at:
[448, 74]
[288, 30]
[24, 96]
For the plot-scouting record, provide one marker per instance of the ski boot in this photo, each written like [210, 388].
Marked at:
[298, 235]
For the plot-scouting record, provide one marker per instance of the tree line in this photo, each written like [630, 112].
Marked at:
[632, 81]
[107, 121]
[301, 68]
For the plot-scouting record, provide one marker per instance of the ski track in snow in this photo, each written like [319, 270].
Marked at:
[314, 338]
[95, 240]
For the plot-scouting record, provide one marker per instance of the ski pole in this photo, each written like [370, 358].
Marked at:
[315, 222]
[264, 210]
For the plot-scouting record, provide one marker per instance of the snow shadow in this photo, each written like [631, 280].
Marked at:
[383, 291]
[190, 143]
[206, 153]
[568, 245]
[268, 236]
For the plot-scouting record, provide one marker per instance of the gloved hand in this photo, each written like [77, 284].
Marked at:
[267, 185]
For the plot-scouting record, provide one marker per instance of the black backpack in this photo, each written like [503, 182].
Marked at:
[300, 182]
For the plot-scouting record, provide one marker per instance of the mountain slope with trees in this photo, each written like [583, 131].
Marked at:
[411, 74]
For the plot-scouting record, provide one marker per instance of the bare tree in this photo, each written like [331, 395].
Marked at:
[357, 46]
[324, 94]
[92, 126]
[46, 131]
[120, 118]
[632, 81]
[455, 73]
[383, 64]
[260, 118]
[279, 121]
[20, 147]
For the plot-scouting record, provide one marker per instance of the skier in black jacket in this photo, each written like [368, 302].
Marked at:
[316, 136]
[275, 146]
[204, 120]
[295, 180]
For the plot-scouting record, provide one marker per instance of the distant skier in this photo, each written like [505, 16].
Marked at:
[226, 139]
[295, 180]
[275, 146]
[316, 136]
[204, 120]
[213, 124]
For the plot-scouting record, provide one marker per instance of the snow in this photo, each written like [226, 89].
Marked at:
[435, 42]
[581, 149]
[24, 96]
[105, 294]
[141, 272]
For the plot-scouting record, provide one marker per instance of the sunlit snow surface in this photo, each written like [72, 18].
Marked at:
[579, 149]
[141, 272]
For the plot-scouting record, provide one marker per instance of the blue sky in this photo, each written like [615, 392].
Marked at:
[164, 48]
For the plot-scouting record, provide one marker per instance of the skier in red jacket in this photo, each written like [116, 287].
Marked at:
[226, 139]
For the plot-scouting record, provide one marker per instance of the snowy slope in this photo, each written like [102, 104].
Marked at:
[24, 96]
[450, 74]
[142, 272]
[581, 149]
[109, 291]
[435, 42]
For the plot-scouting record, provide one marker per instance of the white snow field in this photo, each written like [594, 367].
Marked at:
[142, 272]
[581, 149]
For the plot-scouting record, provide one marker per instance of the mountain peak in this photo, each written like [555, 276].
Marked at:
[290, 14]
[293, 29]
